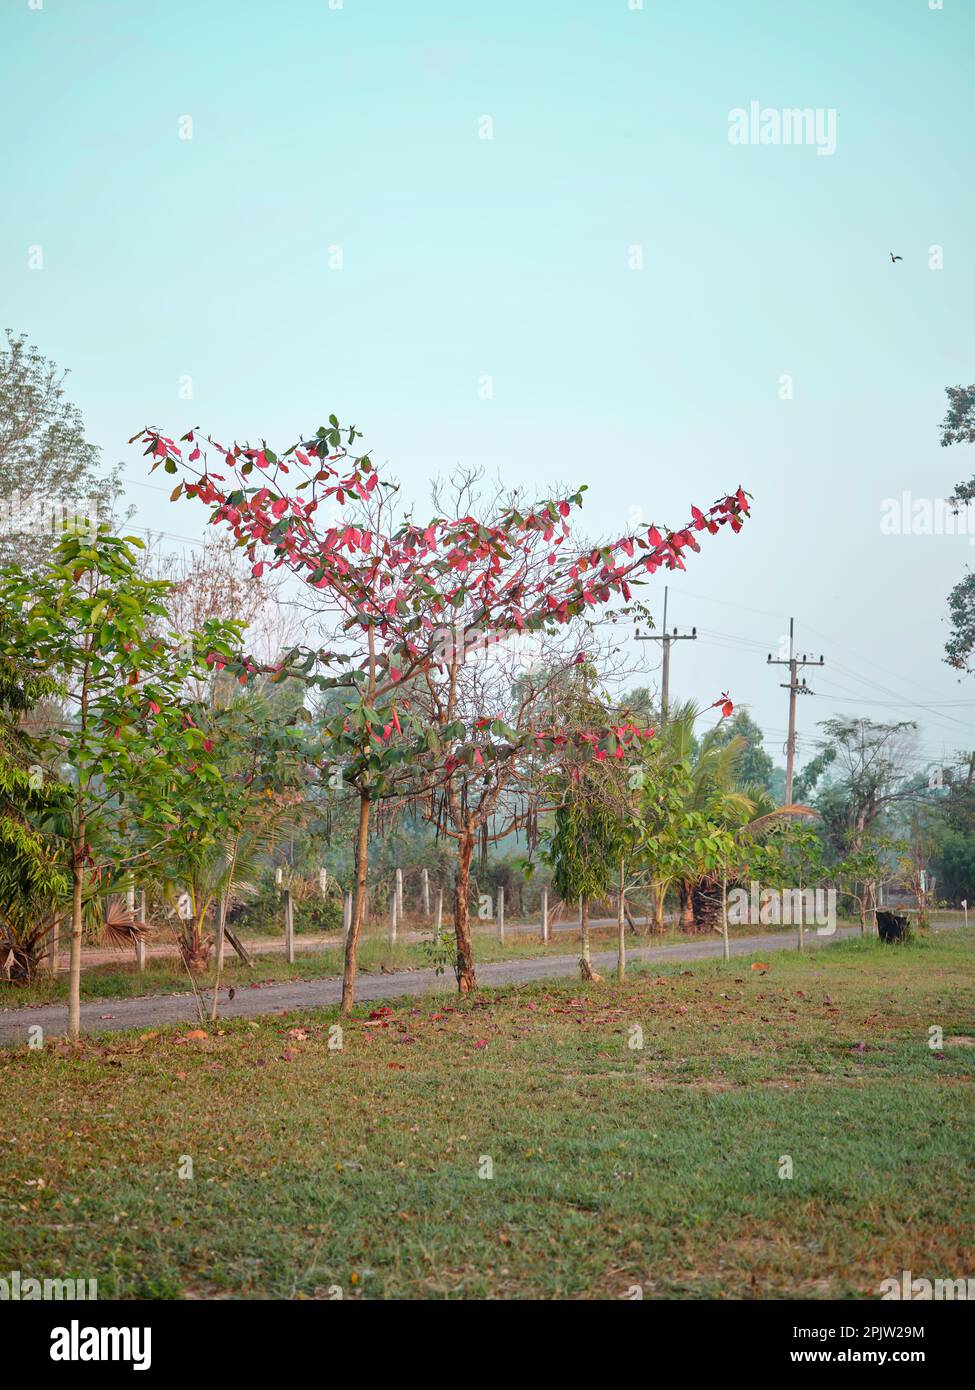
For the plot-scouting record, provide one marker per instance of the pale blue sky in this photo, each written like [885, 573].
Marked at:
[464, 257]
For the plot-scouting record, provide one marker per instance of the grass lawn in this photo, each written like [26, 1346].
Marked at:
[613, 1166]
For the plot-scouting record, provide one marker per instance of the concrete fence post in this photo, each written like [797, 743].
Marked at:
[140, 945]
[138, 919]
[289, 927]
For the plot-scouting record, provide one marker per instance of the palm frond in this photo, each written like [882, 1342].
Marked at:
[121, 928]
[796, 810]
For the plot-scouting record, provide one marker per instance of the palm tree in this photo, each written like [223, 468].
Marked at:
[711, 794]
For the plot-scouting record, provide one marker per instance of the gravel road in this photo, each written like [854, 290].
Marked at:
[153, 1011]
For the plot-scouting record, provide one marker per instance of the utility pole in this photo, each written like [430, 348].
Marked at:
[794, 688]
[666, 638]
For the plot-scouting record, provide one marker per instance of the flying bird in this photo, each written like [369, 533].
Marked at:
[895, 258]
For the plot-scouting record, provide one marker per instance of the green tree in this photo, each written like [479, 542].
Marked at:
[592, 829]
[250, 786]
[48, 470]
[83, 622]
[862, 770]
[32, 869]
[958, 427]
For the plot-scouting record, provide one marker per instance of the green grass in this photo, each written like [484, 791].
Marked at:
[613, 1167]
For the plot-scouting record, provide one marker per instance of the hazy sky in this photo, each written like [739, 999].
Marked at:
[356, 132]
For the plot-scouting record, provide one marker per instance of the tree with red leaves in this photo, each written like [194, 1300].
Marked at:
[394, 584]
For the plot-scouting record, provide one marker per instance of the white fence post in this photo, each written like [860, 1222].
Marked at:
[289, 927]
[426, 894]
[138, 919]
[392, 916]
[545, 913]
[140, 945]
[500, 914]
[439, 918]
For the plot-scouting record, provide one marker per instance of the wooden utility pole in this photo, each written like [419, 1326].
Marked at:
[666, 638]
[794, 688]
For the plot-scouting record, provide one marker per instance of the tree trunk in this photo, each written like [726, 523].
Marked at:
[659, 903]
[585, 964]
[685, 888]
[192, 946]
[74, 968]
[358, 910]
[705, 905]
[464, 964]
